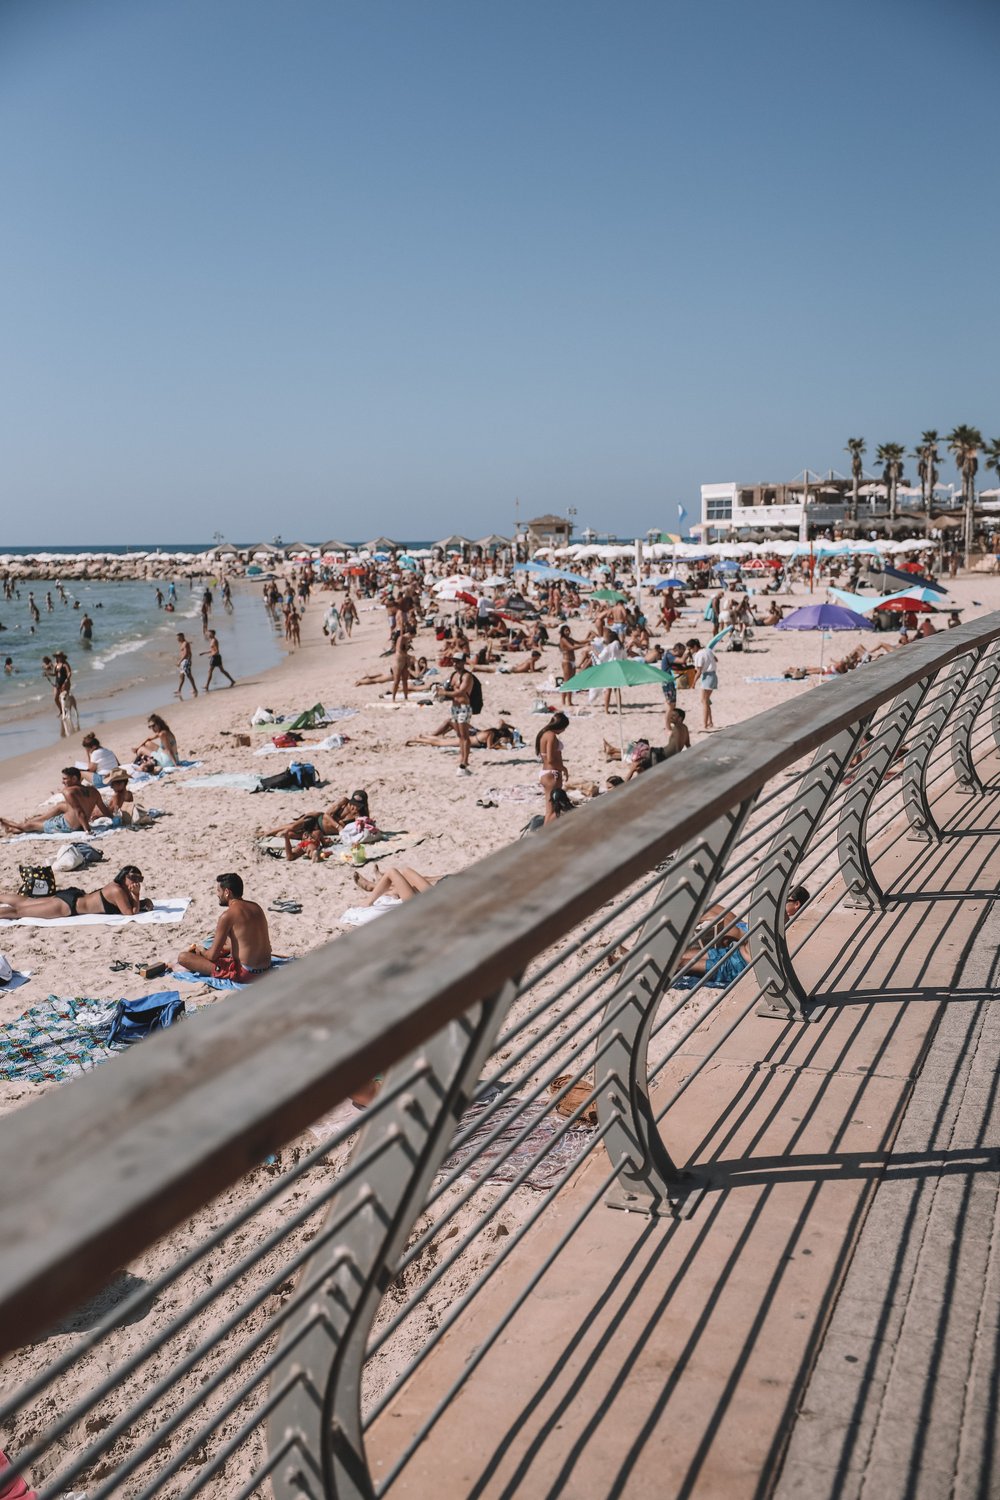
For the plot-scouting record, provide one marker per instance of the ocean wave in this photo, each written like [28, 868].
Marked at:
[124, 648]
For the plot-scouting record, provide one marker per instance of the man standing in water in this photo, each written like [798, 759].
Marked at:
[86, 630]
[184, 665]
[241, 947]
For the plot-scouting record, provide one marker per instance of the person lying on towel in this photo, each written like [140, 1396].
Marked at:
[241, 947]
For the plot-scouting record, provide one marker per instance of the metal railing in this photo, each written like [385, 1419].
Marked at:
[288, 1275]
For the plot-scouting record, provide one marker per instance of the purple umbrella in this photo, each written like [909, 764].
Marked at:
[824, 617]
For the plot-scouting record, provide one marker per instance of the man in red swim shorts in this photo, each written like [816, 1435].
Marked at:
[241, 947]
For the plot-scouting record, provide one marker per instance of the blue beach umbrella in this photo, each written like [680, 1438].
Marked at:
[668, 583]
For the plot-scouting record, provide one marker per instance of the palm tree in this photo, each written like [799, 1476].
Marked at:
[991, 450]
[856, 448]
[927, 457]
[890, 456]
[965, 443]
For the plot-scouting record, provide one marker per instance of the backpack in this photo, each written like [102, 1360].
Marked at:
[476, 696]
[134, 1020]
[304, 774]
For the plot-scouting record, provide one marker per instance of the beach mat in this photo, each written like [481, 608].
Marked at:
[554, 1152]
[143, 778]
[17, 978]
[163, 912]
[278, 961]
[234, 781]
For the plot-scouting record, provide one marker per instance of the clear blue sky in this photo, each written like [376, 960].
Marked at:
[342, 266]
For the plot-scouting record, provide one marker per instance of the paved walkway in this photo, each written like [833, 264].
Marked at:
[826, 1320]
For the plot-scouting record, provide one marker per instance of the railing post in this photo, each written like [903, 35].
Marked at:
[863, 889]
[782, 993]
[923, 824]
[650, 1182]
[966, 775]
[319, 1416]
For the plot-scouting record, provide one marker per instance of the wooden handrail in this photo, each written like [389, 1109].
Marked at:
[96, 1171]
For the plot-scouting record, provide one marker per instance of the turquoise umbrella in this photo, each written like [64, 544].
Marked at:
[616, 675]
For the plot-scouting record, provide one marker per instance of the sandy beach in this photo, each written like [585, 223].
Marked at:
[439, 824]
[413, 792]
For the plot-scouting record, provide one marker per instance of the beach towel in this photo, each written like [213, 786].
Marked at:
[278, 960]
[358, 916]
[58, 1039]
[482, 1118]
[332, 742]
[55, 1040]
[235, 781]
[17, 978]
[137, 779]
[780, 678]
[163, 912]
[512, 793]
[98, 830]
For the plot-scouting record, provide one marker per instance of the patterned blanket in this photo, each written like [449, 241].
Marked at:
[55, 1040]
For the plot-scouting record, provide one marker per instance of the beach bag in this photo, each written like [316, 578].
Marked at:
[360, 831]
[36, 880]
[476, 696]
[134, 1020]
[6, 972]
[281, 781]
[285, 741]
[68, 858]
[304, 774]
[263, 716]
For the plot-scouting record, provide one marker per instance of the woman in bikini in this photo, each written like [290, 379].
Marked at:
[120, 898]
[549, 748]
[567, 645]
[329, 822]
[161, 745]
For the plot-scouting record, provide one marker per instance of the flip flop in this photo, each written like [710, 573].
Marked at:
[291, 907]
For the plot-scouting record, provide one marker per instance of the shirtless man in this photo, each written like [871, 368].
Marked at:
[241, 947]
[80, 804]
[184, 665]
[460, 693]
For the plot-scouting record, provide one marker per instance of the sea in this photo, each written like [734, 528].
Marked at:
[128, 667]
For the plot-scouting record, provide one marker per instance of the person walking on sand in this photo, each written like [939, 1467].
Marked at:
[460, 693]
[706, 665]
[184, 665]
[214, 654]
[241, 946]
[349, 615]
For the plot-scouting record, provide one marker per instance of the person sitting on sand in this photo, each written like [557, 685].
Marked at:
[241, 947]
[395, 880]
[73, 814]
[642, 756]
[330, 821]
[120, 898]
[161, 746]
[119, 799]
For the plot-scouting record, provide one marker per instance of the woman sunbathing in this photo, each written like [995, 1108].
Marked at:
[503, 736]
[336, 817]
[395, 880]
[120, 898]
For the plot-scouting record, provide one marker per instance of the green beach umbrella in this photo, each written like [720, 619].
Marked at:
[610, 596]
[616, 675]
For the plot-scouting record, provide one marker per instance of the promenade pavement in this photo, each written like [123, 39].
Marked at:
[825, 1323]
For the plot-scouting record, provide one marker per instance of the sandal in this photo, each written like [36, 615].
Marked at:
[119, 966]
[291, 907]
